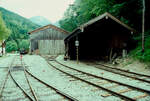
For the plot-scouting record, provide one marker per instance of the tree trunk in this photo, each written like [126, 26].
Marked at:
[143, 25]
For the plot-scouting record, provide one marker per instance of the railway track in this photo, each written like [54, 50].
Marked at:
[9, 88]
[126, 73]
[115, 88]
[30, 87]
[18, 74]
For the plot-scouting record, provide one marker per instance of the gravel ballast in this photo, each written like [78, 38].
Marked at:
[80, 90]
[103, 73]
[90, 69]
[71, 86]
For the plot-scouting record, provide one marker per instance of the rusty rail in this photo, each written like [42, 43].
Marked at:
[6, 78]
[139, 89]
[54, 88]
[100, 87]
[123, 72]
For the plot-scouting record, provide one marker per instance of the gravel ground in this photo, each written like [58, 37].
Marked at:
[98, 81]
[5, 61]
[21, 80]
[12, 92]
[105, 74]
[43, 92]
[132, 65]
[4, 64]
[80, 90]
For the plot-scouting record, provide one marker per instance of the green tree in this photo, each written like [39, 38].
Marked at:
[18, 25]
[4, 31]
[128, 11]
[24, 44]
[11, 46]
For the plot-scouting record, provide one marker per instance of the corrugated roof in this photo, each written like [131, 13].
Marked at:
[49, 26]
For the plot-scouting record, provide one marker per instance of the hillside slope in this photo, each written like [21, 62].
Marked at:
[18, 25]
[40, 20]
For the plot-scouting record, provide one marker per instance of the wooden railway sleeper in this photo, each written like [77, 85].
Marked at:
[133, 76]
[58, 91]
[110, 91]
[136, 88]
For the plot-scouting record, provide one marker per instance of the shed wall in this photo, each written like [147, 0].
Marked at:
[99, 40]
[48, 42]
[48, 34]
[53, 47]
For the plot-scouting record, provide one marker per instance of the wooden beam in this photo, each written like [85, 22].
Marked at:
[121, 91]
[141, 96]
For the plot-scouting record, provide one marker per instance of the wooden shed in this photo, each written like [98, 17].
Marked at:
[47, 40]
[103, 37]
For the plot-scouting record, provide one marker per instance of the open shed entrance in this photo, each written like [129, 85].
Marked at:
[103, 39]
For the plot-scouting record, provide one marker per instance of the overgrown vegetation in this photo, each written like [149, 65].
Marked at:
[4, 31]
[18, 26]
[24, 44]
[137, 53]
[128, 11]
[11, 46]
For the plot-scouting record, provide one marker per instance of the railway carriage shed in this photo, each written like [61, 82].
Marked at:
[100, 38]
[47, 40]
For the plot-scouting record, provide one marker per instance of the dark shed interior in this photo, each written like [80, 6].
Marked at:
[100, 38]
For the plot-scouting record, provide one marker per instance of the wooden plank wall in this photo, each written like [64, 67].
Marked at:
[51, 47]
[48, 34]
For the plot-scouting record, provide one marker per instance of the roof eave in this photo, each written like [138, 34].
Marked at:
[48, 26]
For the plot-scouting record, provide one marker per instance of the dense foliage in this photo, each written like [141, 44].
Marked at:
[11, 46]
[24, 44]
[4, 31]
[128, 11]
[137, 53]
[19, 27]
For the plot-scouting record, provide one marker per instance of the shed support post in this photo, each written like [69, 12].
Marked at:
[77, 49]
[110, 56]
[77, 55]
[124, 53]
[30, 52]
[66, 51]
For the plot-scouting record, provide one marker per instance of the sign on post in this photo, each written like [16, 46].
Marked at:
[76, 43]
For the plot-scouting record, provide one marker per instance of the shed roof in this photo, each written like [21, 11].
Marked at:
[103, 16]
[49, 26]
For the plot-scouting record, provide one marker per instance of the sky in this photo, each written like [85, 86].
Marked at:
[53, 10]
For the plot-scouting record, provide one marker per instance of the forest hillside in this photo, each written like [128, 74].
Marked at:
[128, 11]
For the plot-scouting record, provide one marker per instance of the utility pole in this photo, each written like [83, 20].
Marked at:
[143, 26]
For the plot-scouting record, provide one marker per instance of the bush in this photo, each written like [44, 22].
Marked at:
[137, 53]
[11, 46]
[24, 44]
